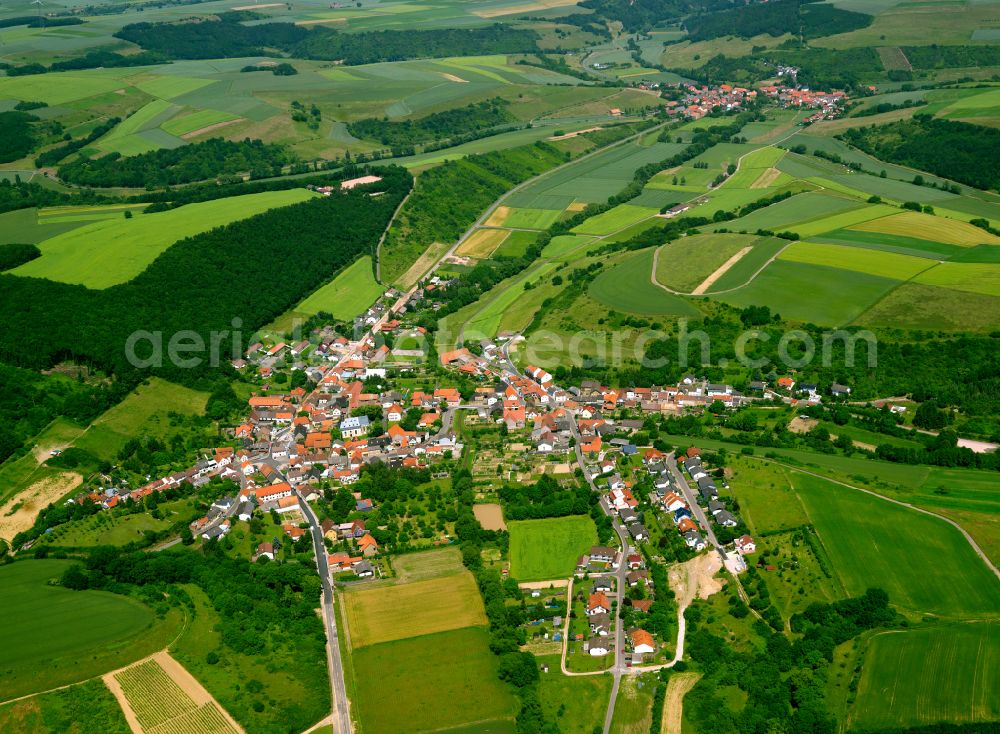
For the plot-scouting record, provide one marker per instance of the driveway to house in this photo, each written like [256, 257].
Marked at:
[338, 689]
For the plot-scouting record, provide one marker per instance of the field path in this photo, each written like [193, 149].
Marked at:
[720, 271]
[975, 546]
[385, 232]
[673, 702]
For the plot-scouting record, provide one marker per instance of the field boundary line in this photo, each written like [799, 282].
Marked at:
[385, 232]
[720, 271]
[972, 541]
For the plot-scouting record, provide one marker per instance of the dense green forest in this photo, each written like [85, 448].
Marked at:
[17, 138]
[808, 19]
[250, 271]
[13, 255]
[459, 122]
[227, 37]
[211, 159]
[969, 154]
[638, 15]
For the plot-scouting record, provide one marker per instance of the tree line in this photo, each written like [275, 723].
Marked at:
[471, 120]
[226, 36]
[210, 159]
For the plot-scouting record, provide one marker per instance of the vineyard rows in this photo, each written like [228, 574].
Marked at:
[206, 720]
[153, 695]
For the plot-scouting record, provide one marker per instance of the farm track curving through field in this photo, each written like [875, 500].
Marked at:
[972, 542]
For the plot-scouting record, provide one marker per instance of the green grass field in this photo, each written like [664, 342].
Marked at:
[45, 642]
[349, 294]
[384, 614]
[577, 703]
[549, 549]
[109, 252]
[145, 412]
[811, 293]
[981, 278]
[917, 306]
[433, 682]
[872, 262]
[613, 220]
[628, 287]
[195, 121]
[685, 263]
[923, 676]
[925, 565]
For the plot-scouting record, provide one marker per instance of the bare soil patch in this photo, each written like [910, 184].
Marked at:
[766, 179]
[802, 425]
[20, 511]
[453, 78]
[696, 578]
[490, 516]
[567, 136]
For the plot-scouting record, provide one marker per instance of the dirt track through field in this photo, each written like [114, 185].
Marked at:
[710, 280]
[210, 128]
[32, 500]
[673, 703]
[453, 78]
[765, 179]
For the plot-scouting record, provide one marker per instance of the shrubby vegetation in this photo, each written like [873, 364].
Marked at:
[211, 159]
[785, 683]
[227, 37]
[545, 498]
[30, 401]
[280, 255]
[54, 155]
[969, 154]
[948, 57]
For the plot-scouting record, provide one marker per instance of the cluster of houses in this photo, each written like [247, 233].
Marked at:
[697, 100]
[599, 611]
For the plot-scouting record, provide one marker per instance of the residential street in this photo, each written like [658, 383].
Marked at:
[341, 713]
[692, 500]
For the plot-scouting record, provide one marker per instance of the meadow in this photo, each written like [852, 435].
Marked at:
[144, 412]
[614, 220]
[350, 293]
[577, 703]
[899, 688]
[924, 564]
[434, 682]
[384, 614]
[548, 549]
[628, 287]
[109, 252]
[872, 262]
[811, 293]
[983, 278]
[44, 644]
[929, 227]
[685, 263]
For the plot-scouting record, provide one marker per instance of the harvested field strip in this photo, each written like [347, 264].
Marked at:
[482, 243]
[929, 227]
[873, 262]
[710, 280]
